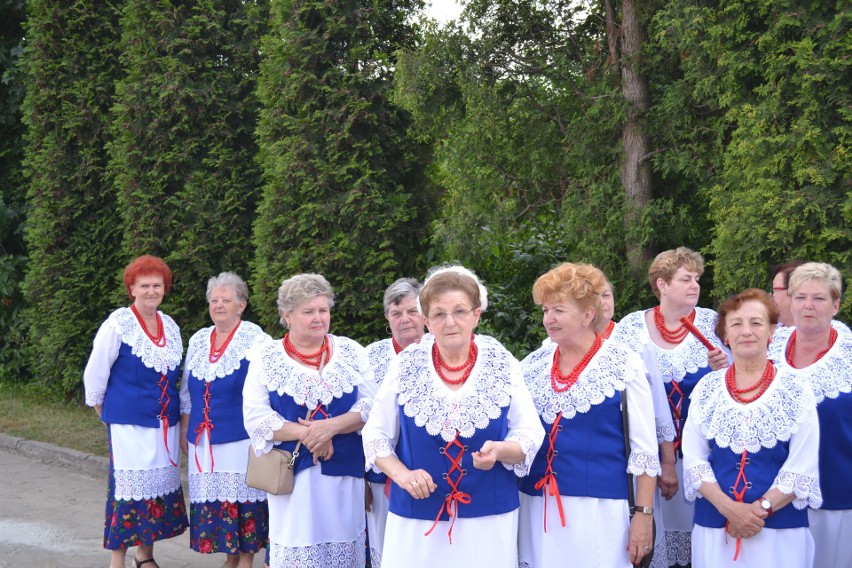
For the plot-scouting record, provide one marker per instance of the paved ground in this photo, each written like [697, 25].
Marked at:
[52, 511]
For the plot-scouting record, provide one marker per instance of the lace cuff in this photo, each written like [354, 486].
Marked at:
[262, 438]
[644, 464]
[694, 477]
[528, 447]
[185, 406]
[377, 449]
[94, 398]
[363, 406]
[666, 433]
[805, 487]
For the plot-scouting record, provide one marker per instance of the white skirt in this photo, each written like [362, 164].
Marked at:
[480, 541]
[377, 518]
[222, 475]
[832, 534]
[778, 548]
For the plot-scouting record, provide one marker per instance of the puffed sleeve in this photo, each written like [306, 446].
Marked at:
[524, 424]
[381, 432]
[105, 349]
[367, 387]
[696, 451]
[644, 455]
[799, 474]
[663, 422]
[259, 419]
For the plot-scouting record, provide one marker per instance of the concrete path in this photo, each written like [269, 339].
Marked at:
[52, 512]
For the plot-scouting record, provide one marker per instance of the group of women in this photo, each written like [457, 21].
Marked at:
[475, 457]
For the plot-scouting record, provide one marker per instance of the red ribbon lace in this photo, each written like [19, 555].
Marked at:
[454, 477]
[548, 482]
[739, 494]
[677, 413]
[205, 426]
[165, 399]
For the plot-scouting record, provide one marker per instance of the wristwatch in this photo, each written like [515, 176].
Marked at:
[646, 510]
[766, 505]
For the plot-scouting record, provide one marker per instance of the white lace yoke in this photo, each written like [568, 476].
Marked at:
[605, 374]
[828, 377]
[160, 359]
[442, 411]
[198, 352]
[381, 353]
[673, 364]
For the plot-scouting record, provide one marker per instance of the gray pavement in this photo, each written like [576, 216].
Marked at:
[52, 512]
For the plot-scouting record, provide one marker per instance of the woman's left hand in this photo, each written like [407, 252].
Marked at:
[486, 457]
[640, 540]
[317, 433]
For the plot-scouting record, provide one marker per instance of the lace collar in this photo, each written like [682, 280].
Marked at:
[381, 353]
[304, 385]
[605, 374]
[828, 377]
[198, 352]
[160, 359]
[673, 364]
[481, 399]
[772, 418]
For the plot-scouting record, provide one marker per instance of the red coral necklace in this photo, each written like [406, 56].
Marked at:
[671, 336]
[159, 339]
[739, 394]
[309, 359]
[216, 354]
[790, 353]
[467, 366]
[562, 383]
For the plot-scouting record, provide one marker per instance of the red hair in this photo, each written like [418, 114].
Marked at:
[147, 265]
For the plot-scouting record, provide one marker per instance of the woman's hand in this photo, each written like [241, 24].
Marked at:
[368, 496]
[417, 482]
[486, 457]
[640, 539]
[667, 481]
[744, 519]
[317, 433]
[184, 445]
[717, 360]
[322, 452]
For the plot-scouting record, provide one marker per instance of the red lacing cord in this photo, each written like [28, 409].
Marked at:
[319, 410]
[740, 495]
[454, 497]
[165, 399]
[677, 409]
[205, 426]
[548, 482]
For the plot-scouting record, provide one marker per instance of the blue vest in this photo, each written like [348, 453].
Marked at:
[835, 451]
[589, 460]
[348, 458]
[226, 406]
[760, 471]
[492, 492]
[686, 386]
[133, 394]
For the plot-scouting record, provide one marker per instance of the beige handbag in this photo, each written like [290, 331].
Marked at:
[274, 471]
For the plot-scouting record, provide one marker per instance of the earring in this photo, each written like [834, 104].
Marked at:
[726, 342]
[388, 330]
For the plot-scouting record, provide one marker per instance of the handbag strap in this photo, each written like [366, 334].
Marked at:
[631, 497]
[308, 413]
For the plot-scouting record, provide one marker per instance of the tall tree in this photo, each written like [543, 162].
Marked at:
[72, 233]
[343, 192]
[183, 156]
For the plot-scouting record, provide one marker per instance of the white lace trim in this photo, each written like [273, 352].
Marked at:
[772, 418]
[160, 359]
[262, 441]
[375, 558]
[805, 487]
[528, 447]
[446, 413]
[643, 464]
[198, 352]
[338, 554]
[829, 377]
[678, 548]
[304, 385]
[95, 398]
[673, 364]
[137, 484]
[380, 353]
[373, 449]
[605, 374]
[222, 486]
[666, 432]
[694, 477]
[186, 406]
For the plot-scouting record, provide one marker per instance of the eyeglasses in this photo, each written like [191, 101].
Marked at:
[458, 315]
[776, 289]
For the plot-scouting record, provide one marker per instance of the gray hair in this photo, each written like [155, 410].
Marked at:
[229, 280]
[819, 271]
[300, 288]
[460, 272]
[399, 290]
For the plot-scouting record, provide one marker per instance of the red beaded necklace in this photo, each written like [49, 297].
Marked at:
[396, 346]
[608, 330]
[310, 359]
[760, 386]
[671, 336]
[562, 383]
[159, 339]
[216, 354]
[791, 347]
[467, 366]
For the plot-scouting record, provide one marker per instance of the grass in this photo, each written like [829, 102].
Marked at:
[31, 413]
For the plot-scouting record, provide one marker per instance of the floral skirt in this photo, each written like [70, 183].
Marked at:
[222, 526]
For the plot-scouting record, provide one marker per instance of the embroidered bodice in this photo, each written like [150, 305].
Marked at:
[160, 359]
[198, 352]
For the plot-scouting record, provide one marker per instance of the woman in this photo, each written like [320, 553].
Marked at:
[819, 350]
[449, 409]
[578, 383]
[225, 514]
[675, 361]
[406, 327]
[314, 388]
[605, 323]
[131, 381]
[750, 450]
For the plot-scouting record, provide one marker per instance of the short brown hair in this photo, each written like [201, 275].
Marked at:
[147, 265]
[735, 302]
[448, 279]
[582, 283]
[668, 262]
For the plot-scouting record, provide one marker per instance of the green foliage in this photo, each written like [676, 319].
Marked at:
[343, 193]
[183, 155]
[72, 232]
